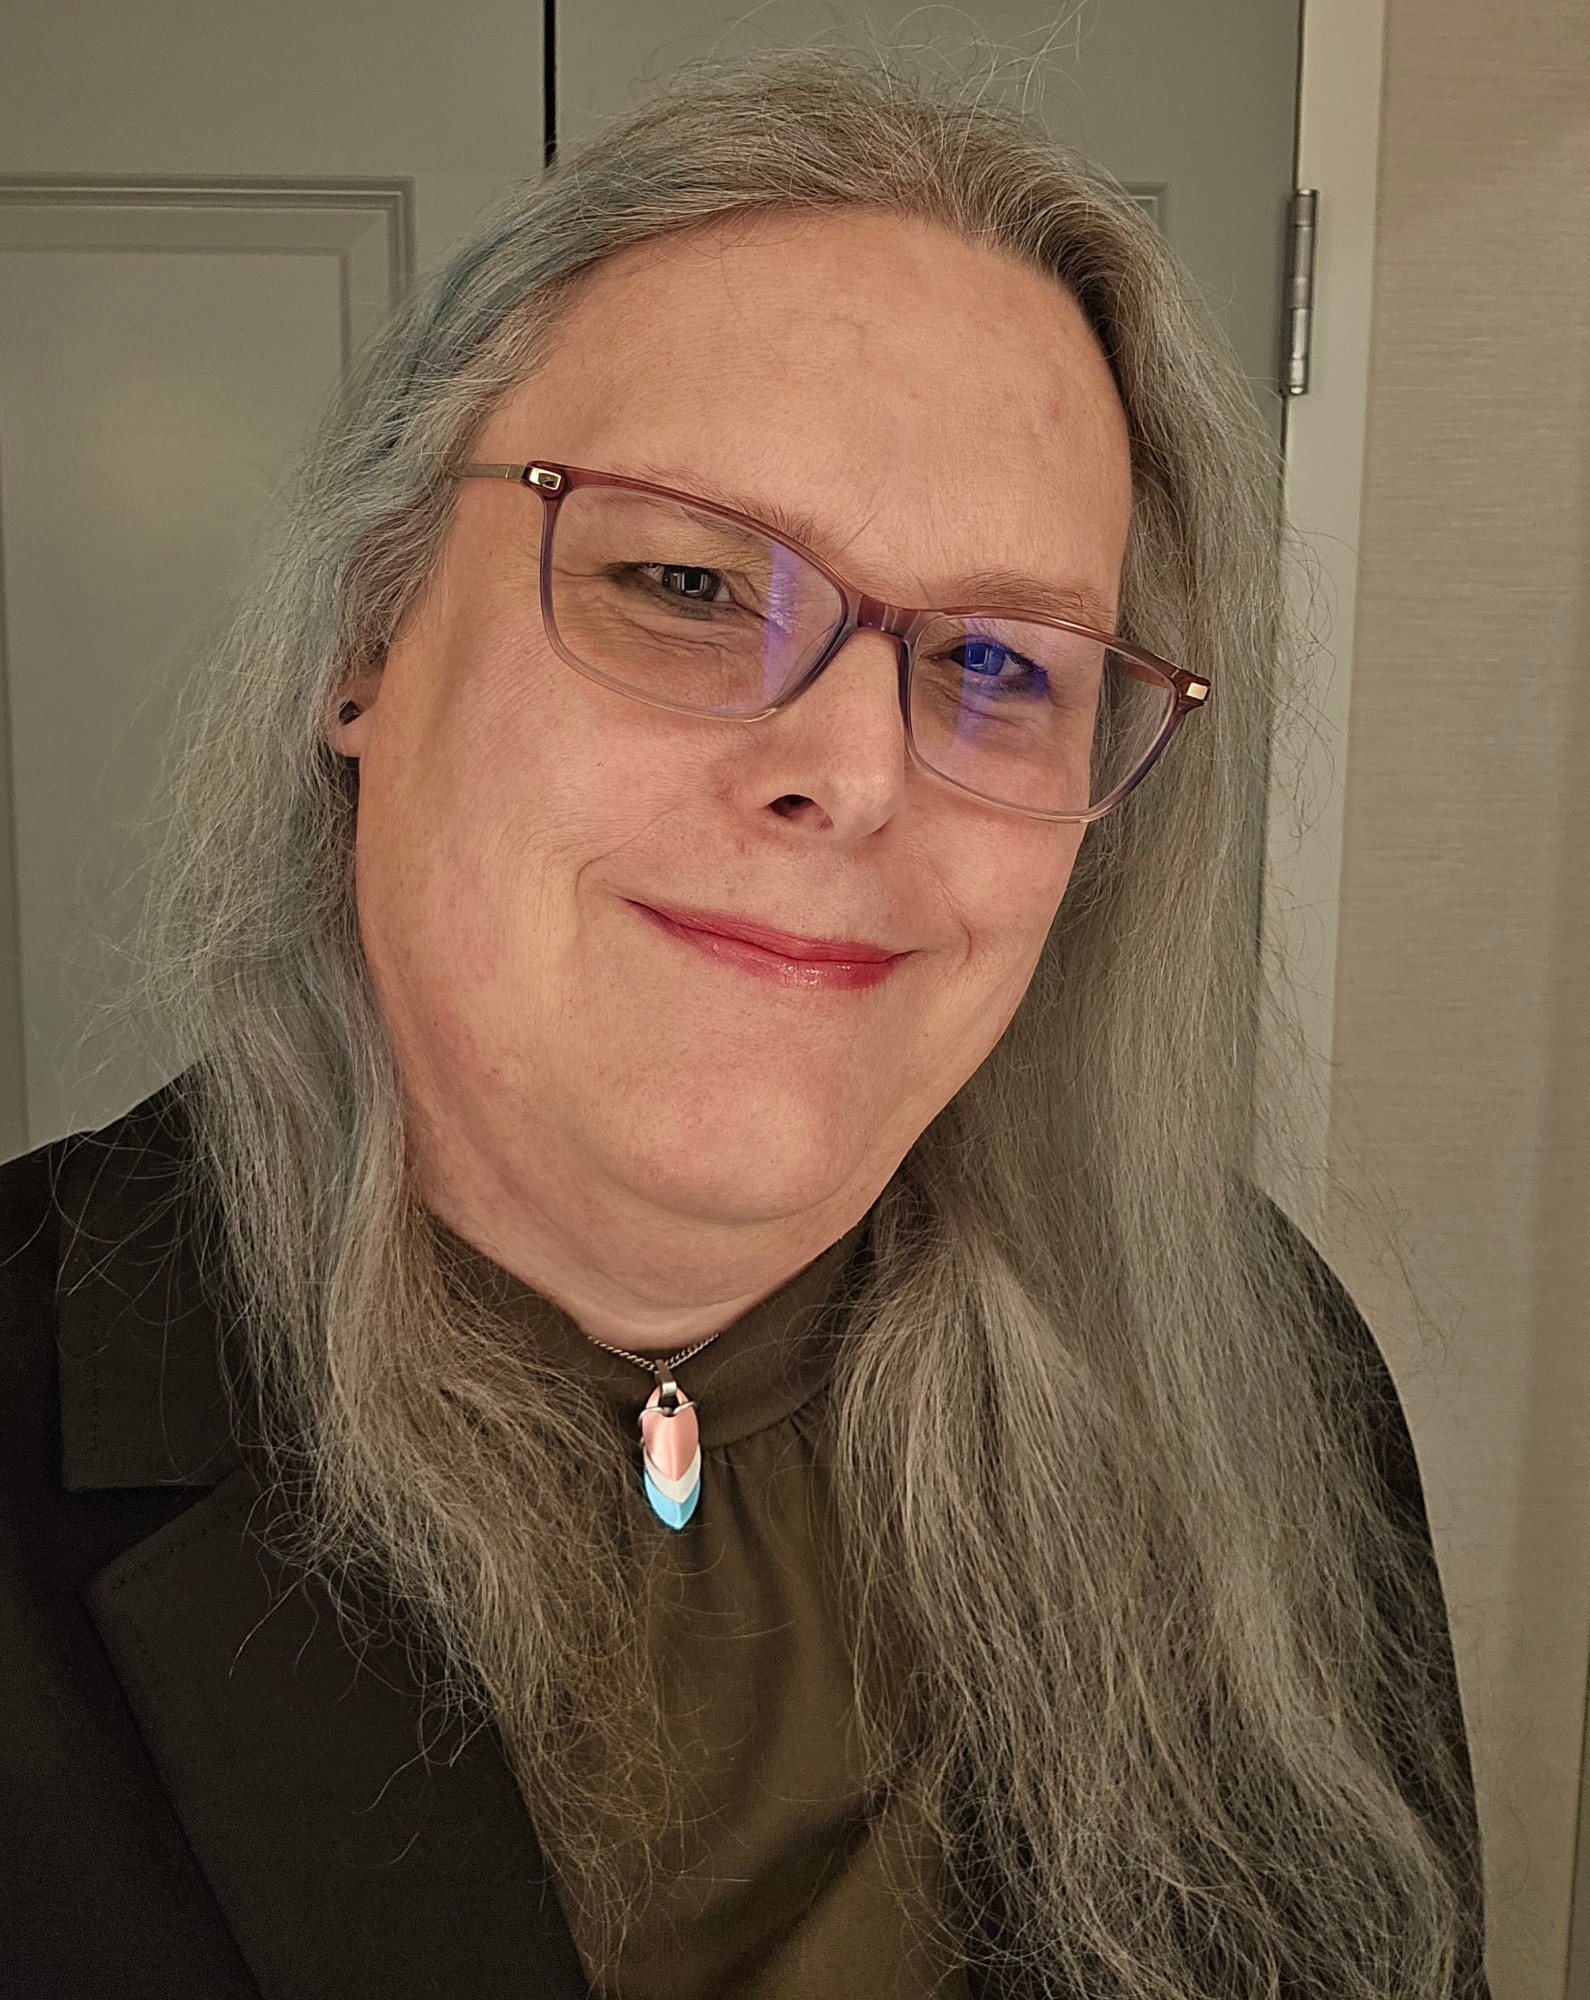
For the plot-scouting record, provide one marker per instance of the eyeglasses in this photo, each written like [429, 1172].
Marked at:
[694, 607]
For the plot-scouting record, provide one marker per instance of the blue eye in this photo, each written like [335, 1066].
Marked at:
[980, 651]
[987, 657]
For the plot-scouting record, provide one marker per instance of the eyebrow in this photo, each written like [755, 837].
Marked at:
[990, 588]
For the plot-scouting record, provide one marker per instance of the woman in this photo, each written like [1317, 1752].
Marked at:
[687, 1391]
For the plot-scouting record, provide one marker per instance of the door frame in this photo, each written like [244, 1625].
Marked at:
[1337, 153]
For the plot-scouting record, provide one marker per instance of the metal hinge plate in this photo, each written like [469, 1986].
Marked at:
[1297, 317]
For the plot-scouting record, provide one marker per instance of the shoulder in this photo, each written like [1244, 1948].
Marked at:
[1362, 1368]
[1412, 1599]
[95, 1828]
[30, 1235]
[49, 1196]
[86, 1299]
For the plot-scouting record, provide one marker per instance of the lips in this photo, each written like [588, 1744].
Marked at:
[787, 944]
[739, 946]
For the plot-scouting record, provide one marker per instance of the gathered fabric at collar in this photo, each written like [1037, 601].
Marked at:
[760, 1369]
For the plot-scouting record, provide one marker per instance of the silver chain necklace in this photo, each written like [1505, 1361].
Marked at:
[670, 1437]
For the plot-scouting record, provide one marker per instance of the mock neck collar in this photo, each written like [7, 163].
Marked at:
[756, 1371]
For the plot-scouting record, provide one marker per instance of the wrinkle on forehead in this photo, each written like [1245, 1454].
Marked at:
[936, 378]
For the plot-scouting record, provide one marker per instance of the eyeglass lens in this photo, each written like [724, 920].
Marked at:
[683, 607]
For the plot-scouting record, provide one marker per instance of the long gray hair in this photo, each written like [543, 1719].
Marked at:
[1108, 1491]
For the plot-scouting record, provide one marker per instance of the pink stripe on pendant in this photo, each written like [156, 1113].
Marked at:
[670, 1443]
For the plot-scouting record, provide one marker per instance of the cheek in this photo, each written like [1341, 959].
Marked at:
[1016, 888]
[510, 773]
[1007, 893]
[566, 817]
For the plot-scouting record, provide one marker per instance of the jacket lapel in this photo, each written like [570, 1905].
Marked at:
[354, 1842]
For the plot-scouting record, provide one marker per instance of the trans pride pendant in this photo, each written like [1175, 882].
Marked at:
[670, 1451]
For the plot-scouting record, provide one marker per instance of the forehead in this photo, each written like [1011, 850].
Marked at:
[915, 396]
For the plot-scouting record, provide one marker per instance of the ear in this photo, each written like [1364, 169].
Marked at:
[349, 738]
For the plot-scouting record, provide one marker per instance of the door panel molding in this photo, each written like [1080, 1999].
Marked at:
[1150, 198]
[365, 226]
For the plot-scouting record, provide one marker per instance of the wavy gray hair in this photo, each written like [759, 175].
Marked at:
[1179, 1720]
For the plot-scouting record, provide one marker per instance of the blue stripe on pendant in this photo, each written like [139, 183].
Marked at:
[672, 1513]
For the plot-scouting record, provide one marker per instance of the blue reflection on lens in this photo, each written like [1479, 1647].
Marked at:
[783, 611]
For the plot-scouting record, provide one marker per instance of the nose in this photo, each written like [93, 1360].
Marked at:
[842, 742]
[857, 693]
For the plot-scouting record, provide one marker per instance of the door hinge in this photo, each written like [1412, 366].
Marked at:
[1298, 306]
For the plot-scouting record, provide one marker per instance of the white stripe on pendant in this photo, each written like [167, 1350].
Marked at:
[679, 1489]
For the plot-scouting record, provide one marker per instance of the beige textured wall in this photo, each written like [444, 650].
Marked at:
[1462, 1078]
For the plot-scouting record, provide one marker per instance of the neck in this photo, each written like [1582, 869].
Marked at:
[628, 1276]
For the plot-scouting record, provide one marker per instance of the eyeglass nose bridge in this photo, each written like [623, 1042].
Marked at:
[866, 614]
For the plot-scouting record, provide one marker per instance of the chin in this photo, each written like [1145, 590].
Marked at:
[738, 1170]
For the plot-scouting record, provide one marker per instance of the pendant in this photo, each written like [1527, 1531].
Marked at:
[670, 1450]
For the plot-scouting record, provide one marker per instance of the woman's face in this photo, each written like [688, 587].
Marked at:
[935, 409]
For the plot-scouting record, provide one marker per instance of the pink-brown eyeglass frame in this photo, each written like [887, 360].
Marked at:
[899, 622]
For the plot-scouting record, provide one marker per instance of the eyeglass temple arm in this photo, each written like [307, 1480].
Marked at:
[523, 475]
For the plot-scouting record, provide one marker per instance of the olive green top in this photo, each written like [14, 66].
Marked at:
[791, 1902]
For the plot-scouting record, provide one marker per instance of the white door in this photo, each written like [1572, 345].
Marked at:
[202, 211]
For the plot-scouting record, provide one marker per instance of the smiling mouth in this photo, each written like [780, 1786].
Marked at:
[787, 944]
[783, 962]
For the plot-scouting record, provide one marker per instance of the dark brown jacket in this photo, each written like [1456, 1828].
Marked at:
[184, 1814]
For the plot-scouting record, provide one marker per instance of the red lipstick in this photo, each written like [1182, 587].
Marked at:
[783, 957]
